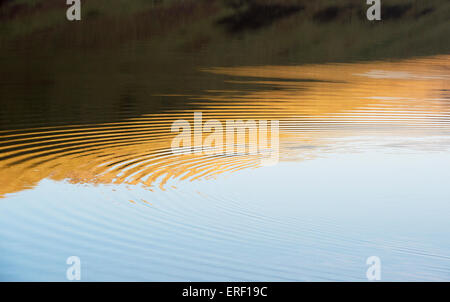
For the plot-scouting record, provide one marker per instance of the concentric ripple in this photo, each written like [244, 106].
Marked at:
[318, 106]
[363, 170]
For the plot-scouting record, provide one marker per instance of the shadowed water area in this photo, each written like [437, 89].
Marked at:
[87, 169]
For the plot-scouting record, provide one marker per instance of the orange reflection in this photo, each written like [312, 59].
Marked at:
[312, 102]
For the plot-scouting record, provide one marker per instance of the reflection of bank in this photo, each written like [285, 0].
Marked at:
[407, 97]
[247, 137]
[317, 106]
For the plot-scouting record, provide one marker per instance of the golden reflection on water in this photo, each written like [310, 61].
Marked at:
[317, 105]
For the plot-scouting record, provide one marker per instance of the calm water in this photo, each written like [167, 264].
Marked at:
[86, 170]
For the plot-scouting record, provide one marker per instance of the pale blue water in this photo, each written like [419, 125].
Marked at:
[312, 226]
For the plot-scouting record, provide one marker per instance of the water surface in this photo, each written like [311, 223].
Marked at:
[363, 171]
